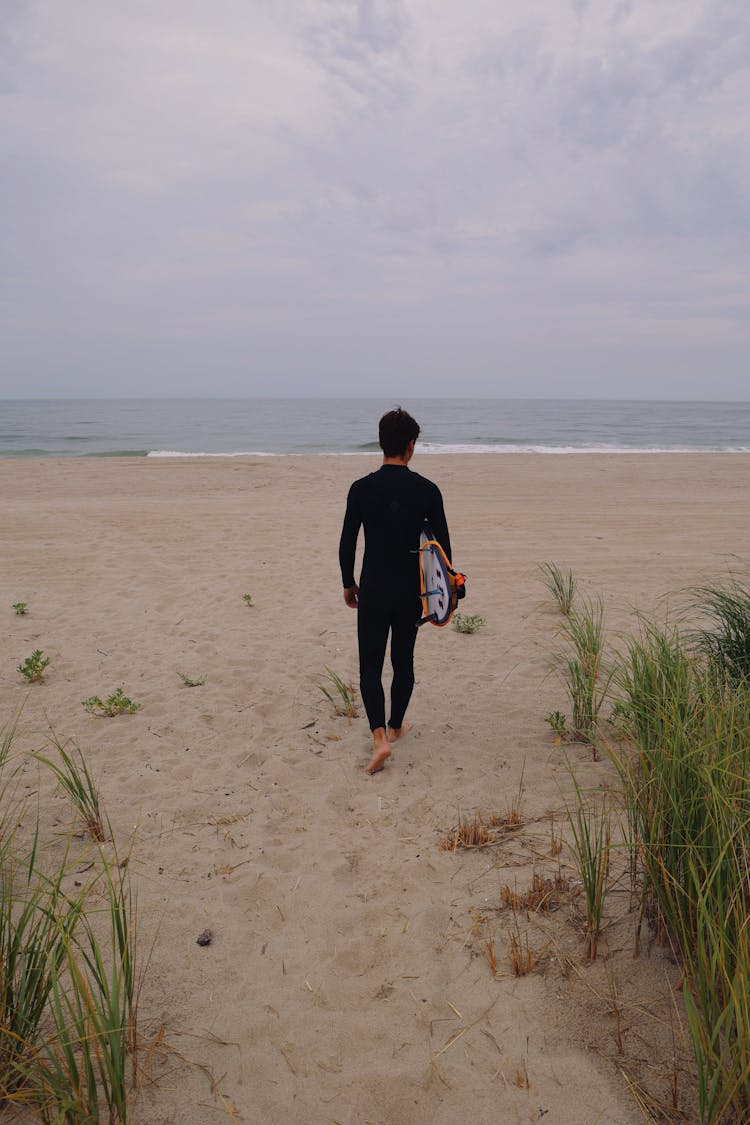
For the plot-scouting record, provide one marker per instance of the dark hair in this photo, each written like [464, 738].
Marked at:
[396, 430]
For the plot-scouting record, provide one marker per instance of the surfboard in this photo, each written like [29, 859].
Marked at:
[440, 585]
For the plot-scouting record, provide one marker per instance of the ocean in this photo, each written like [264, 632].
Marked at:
[232, 427]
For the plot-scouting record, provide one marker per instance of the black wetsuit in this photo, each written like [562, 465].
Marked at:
[391, 504]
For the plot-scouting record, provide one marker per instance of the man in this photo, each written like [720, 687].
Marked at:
[391, 504]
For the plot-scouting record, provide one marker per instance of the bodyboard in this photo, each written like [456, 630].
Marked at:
[440, 585]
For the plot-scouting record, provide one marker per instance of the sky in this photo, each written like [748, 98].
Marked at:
[547, 198]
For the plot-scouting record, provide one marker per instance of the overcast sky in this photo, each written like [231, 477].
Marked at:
[400, 197]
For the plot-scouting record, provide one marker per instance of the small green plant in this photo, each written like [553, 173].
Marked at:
[340, 695]
[20, 608]
[561, 584]
[75, 780]
[33, 666]
[115, 704]
[467, 623]
[557, 721]
[188, 682]
[247, 599]
[591, 845]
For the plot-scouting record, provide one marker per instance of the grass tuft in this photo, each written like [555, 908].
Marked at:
[684, 765]
[75, 780]
[469, 833]
[585, 679]
[591, 848]
[546, 893]
[727, 644]
[68, 988]
[477, 832]
[523, 958]
[561, 585]
[339, 694]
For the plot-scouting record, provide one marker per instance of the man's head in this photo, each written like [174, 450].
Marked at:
[397, 429]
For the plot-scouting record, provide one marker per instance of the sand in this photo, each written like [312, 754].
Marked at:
[348, 978]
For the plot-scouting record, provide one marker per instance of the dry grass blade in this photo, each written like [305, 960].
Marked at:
[469, 833]
[545, 894]
[489, 952]
[523, 958]
[476, 832]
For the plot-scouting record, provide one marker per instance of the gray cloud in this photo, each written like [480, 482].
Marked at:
[314, 195]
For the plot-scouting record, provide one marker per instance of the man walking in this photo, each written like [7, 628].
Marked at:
[391, 504]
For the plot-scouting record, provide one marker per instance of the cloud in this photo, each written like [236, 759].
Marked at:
[286, 178]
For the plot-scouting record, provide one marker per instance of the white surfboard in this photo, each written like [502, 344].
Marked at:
[437, 581]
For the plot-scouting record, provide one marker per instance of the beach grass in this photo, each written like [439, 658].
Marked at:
[726, 644]
[561, 584]
[34, 917]
[68, 987]
[339, 694]
[76, 781]
[586, 680]
[684, 769]
[591, 830]
[81, 1067]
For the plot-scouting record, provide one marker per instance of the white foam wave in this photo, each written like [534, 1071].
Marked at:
[428, 447]
[431, 447]
[260, 453]
[238, 453]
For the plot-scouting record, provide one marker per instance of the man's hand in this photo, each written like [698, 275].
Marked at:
[351, 596]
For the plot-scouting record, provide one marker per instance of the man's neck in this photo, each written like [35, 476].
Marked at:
[403, 459]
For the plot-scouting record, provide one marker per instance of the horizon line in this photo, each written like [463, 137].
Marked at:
[357, 398]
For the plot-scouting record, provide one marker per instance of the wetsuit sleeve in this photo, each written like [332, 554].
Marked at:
[438, 522]
[348, 541]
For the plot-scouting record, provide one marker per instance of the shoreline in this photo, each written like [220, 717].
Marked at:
[469, 451]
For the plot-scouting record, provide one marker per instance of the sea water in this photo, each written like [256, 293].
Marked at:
[231, 427]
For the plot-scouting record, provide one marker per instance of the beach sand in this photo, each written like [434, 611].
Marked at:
[348, 978]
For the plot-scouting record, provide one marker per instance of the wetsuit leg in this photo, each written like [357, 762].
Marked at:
[403, 636]
[372, 635]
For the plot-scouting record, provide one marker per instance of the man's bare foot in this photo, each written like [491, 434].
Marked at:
[394, 733]
[381, 751]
